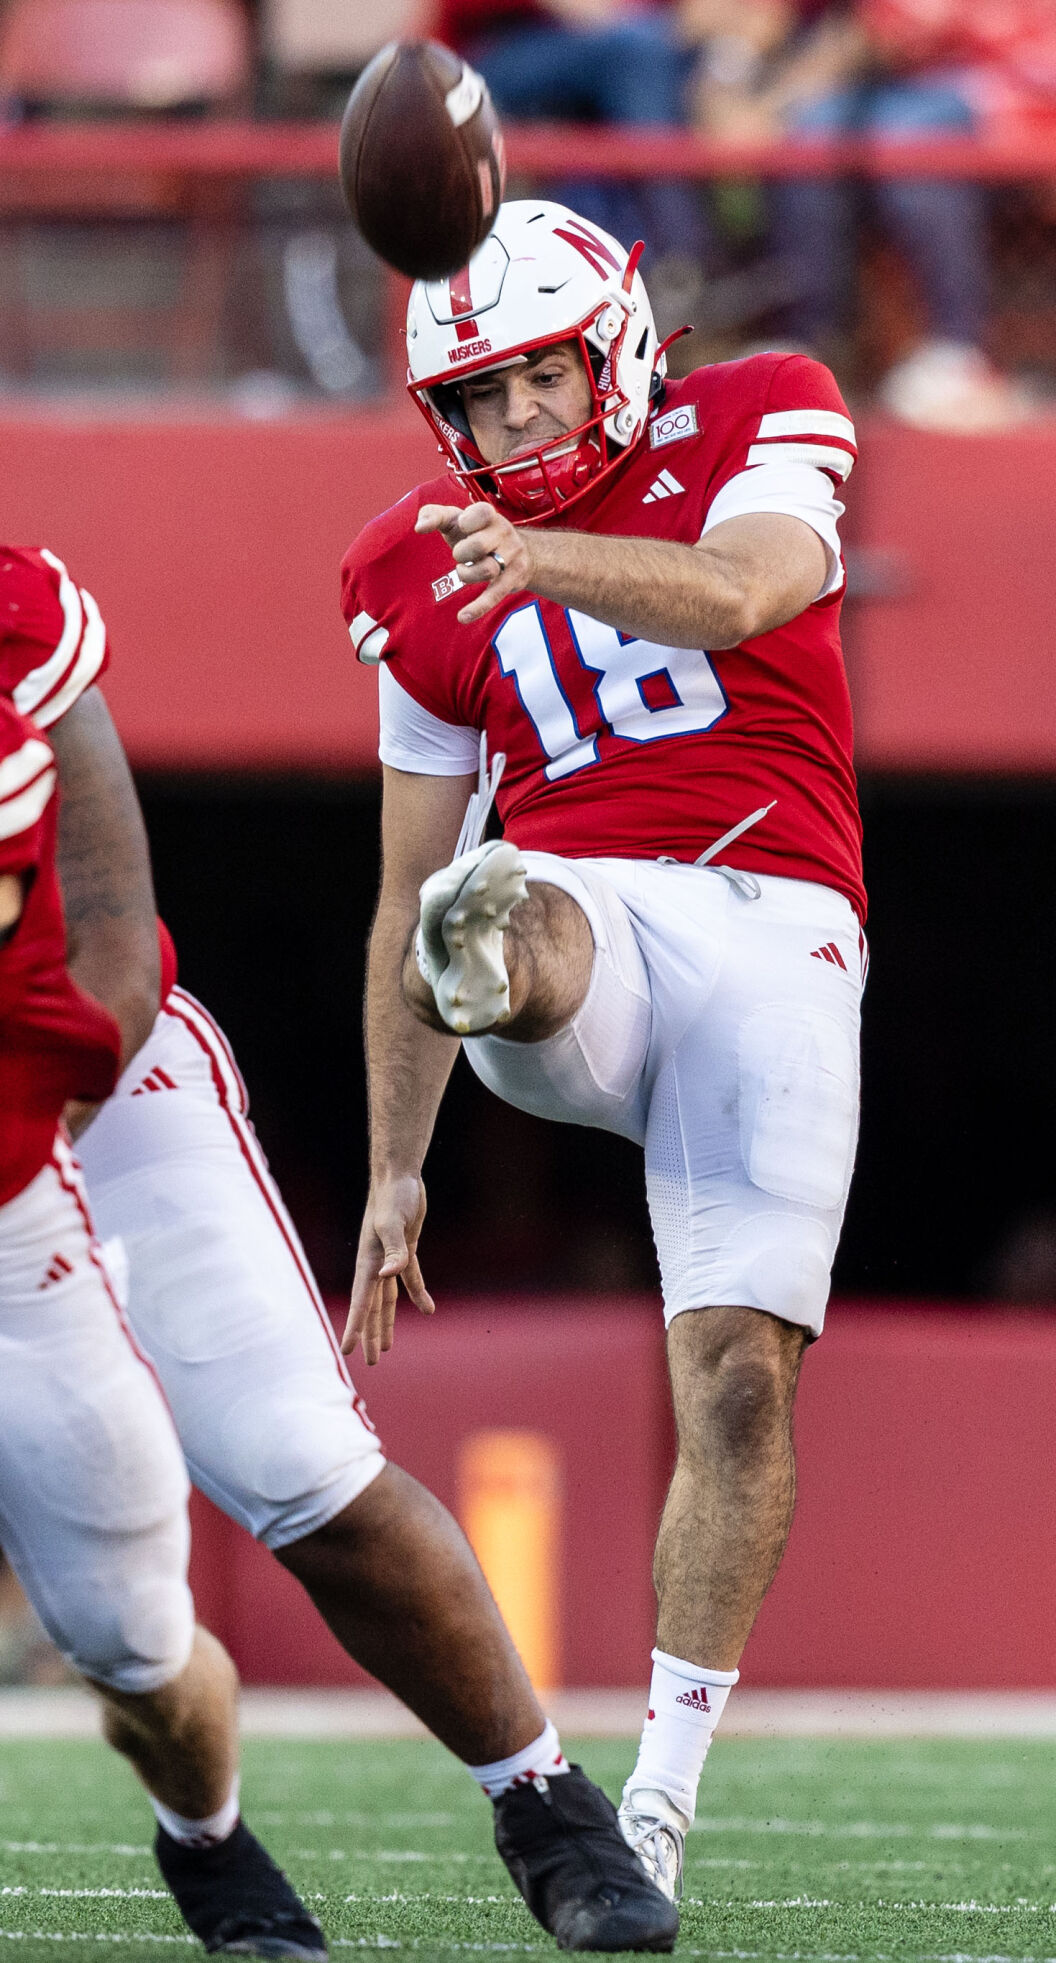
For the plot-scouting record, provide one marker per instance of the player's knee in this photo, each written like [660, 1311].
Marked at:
[749, 1401]
[136, 1639]
[735, 1390]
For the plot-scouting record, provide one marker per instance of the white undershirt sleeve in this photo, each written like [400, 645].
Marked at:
[796, 490]
[413, 739]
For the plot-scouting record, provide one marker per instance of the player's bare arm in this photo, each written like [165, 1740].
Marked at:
[749, 575]
[408, 1064]
[104, 872]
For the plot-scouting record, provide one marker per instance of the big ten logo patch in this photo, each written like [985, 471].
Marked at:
[674, 426]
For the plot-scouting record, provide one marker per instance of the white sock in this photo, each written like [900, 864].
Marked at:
[199, 1833]
[543, 1759]
[685, 1704]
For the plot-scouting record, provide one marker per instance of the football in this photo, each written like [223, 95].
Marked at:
[421, 158]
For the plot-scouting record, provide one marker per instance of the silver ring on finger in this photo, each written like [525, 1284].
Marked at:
[499, 561]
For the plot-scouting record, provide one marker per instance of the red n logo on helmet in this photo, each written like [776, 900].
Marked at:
[593, 249]
[462, 306]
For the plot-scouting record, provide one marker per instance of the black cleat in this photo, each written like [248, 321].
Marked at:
[561, 1842]
[236, 1900]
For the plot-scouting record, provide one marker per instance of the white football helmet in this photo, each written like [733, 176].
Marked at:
[542, 276]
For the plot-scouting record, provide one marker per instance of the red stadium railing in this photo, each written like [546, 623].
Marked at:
[544, 150]
[95, 166]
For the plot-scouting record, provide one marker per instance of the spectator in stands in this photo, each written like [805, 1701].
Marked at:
[611, 61]
[800, 67]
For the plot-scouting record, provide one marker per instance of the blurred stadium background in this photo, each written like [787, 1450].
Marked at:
[200, 403]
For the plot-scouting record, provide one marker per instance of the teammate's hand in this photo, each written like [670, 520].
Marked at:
[475, 534]
[388, 1244]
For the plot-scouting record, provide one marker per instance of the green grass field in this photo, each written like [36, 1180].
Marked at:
[944, 1851]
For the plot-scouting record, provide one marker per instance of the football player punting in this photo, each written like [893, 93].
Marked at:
[93, 1490]
[630, 589]
[223, 1303]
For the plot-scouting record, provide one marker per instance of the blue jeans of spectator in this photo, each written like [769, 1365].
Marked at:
[939, 225]
[631, 71]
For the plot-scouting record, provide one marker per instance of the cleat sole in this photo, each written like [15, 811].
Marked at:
[466, 909]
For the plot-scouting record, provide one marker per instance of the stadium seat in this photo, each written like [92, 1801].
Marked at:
[125, 54]
[316, 36]
[123, 58]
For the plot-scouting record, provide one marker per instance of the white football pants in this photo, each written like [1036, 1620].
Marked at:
[220, 1294]
[720, 1033]
[93, 1489]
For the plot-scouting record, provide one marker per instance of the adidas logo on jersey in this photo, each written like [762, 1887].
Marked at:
[664, 486]
[695, 1700]
[831, 953]
[57, 1270]
[155, 1080]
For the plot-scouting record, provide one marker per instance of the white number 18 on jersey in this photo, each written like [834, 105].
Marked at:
[643, 692]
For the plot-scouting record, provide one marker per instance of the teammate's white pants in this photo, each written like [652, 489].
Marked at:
[220, 1294]
[93, 1490]
[719, 1032]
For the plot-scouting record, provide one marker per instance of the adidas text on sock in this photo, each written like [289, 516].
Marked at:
[686, 1702]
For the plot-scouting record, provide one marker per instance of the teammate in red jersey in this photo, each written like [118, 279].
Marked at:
[223, 1302]
[630, 591]
[93, 1490]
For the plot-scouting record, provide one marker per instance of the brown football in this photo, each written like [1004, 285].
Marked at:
[422, 164]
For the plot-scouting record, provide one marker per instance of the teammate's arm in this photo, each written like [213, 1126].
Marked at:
[408, 1065]
[104, 871]
[748, 575]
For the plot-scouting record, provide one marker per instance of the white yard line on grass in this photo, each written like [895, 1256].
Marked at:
[340, 1714]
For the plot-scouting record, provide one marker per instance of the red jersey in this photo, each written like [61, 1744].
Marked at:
[53, 646]
[52, 641]
[617, 747]
[56, 1043]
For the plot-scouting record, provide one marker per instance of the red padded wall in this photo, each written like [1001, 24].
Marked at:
[924, 1541]
[213, 548]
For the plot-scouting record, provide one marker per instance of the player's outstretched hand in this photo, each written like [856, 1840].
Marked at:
[388, 1254]
[485, 547]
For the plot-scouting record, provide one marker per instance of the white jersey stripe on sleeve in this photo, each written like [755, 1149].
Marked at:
[368, 638]
[20, 810]
[89, 660]
[807, 422]
[823, 455]
[34, 688]
[22, 765]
